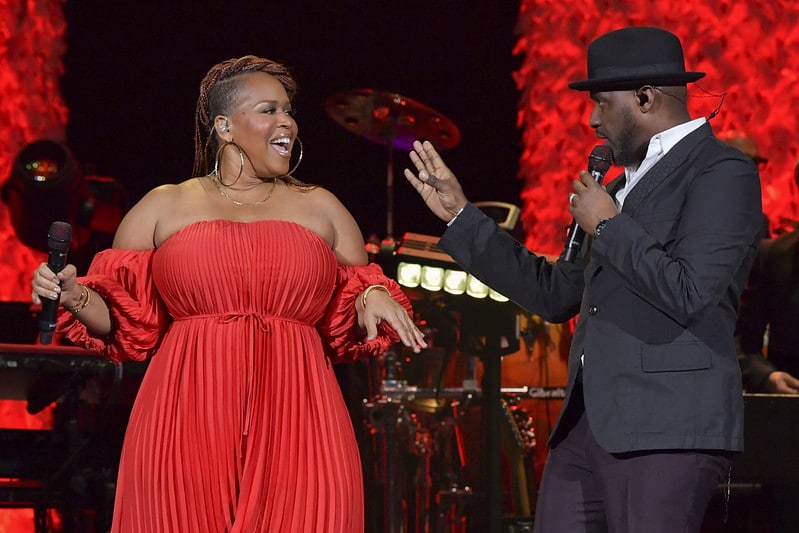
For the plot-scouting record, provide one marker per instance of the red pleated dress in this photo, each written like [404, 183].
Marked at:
[239, 424]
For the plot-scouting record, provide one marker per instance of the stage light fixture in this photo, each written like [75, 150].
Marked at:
[432, 278]
[409, 274]
[423, 265]
[497, 297]
[45, 184]
[455, 281]
[476, 288]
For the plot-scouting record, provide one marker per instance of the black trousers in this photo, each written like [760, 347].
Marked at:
[586, 489]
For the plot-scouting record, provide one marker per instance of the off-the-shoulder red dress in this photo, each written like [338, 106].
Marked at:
[239, 424]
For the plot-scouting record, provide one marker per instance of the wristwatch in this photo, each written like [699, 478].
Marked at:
[600, 227]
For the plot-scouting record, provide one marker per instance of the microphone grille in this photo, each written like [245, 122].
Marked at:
[600, 159]
[60, 236]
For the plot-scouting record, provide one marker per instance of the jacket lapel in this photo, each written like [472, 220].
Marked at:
[664, 168]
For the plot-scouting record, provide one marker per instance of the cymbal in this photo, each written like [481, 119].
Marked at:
[391, 119]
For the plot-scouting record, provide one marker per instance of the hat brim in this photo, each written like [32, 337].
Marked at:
[623, 83]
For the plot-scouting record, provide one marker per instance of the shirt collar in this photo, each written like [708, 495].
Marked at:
[662, 142]
[669, 138]
[659, 145]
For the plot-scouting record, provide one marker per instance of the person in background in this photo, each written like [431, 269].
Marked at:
[769, 316]
[654, 406]
[746, 144]
[743, 142]
[241, 285]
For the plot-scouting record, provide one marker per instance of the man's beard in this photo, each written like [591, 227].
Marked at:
[625, 151]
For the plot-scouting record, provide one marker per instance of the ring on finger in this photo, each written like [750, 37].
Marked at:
[571, 198]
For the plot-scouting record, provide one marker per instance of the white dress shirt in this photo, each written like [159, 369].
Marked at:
[659, 145]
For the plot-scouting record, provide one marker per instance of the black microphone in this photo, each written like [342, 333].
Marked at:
[599, 162]
[59, 239]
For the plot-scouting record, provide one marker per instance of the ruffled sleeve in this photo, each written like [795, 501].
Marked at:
[339, 327]
[123, 278]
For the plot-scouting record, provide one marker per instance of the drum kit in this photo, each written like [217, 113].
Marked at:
[431, 446]
[425, 413]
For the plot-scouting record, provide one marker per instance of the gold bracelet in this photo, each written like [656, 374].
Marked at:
[84, 292]
[369, 289]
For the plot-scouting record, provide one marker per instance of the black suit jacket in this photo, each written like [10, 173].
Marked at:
[771, 299]
[657, 296]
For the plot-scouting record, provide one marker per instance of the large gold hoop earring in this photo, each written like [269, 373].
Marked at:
[299, 160]
[218, 171]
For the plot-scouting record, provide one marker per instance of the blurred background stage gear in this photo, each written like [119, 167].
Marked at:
[395, 121]
[70, 466]
[46, 183]
[391, 119]
[63, 410]
[453, 439]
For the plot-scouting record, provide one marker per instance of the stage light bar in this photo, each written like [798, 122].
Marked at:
[424, 265]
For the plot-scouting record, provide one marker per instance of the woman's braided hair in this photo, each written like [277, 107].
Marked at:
[218, 92]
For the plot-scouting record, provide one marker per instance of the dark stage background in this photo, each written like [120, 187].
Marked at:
[132, 72]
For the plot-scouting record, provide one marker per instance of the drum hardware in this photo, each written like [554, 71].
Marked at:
[421, 468]
[418, 421]
[522, 435]
[423, 448]
[447, 493]
[395, 121]
[536, 393]
[454, 497]
[391, 119]
[387, 418]
[520, 422]
[452, 503]
[494, 332]
[397, 390]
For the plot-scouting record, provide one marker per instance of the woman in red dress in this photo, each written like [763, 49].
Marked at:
[241, 285]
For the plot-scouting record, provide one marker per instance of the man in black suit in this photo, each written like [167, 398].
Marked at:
[771, 302]
[653, 405]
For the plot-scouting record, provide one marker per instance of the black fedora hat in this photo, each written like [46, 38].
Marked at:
[631, 57]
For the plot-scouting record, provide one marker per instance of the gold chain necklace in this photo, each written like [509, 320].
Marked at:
[220, 188]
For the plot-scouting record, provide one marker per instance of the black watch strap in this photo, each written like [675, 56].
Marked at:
[600, 227]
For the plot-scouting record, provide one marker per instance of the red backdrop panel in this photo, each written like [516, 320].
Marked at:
[31, 107]
[31, 48]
